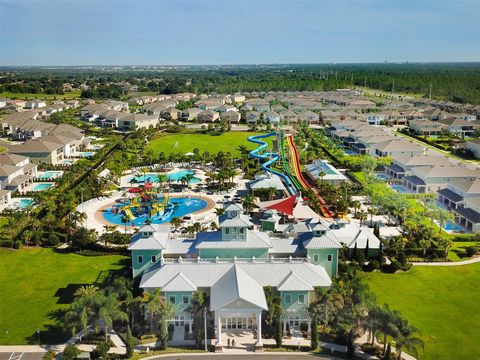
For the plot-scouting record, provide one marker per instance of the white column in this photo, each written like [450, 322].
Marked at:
[309, 328]
[190, 327]
[285, 327]
[219, 330]
[259, 328]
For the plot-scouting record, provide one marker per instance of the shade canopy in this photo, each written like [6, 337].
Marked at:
[284, 205]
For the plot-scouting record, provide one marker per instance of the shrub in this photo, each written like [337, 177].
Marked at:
[70, 352]
[372, 265]
[52, 240]
[372, 349]
[101, 350]
[406, 266]
[392, 267]
[49, 355]
[472, 250]
[129, 343]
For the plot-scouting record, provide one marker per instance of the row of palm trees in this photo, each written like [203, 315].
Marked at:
[95, 309]
[347, 307]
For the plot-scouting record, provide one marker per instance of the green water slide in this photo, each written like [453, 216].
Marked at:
[286, 166]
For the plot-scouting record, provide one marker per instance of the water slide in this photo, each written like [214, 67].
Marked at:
[128, 213]
[298, 173]
[270, 157]
[287, 167]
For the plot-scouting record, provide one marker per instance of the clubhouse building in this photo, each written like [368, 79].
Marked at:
[236, 262]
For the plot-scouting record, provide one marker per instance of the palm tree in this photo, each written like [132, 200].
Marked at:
[274, 313]
[362, 216]
[152, 305]
[406, 337]
[176, 222]
[110, 311]
[371, 211]
[199, 305]
[356, 206]
[248, 203]
[321, 175]
[425, 244]
[219, 211]
[386, 323]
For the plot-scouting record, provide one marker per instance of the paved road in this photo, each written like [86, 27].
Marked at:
[21, 356]
[263, 356]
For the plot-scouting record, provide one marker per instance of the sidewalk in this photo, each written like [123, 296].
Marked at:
[453, 263]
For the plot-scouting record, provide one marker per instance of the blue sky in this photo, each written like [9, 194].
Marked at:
[74, 32]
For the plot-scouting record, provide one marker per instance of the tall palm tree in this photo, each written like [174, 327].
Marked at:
[152, 305]
[219, 211]
[386, 323]
[248, 203]
[356, 206]
[362, 216]
[111, 311]
[406, 337]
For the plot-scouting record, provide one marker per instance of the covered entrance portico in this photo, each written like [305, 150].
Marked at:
[238, 301]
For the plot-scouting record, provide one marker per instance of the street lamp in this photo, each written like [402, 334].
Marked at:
[38, 336]
[205, 326]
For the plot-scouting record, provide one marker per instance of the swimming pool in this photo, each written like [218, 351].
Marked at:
[50, 174]
[381, 176]
[453, 227]
[153, 177]
[67, 162]
[182, 206]
[96, 147]
[42, 186]
[22, 203]
[400, 188]
[350, 152]
[86, 153]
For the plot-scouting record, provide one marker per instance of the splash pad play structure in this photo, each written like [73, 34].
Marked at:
[146, 202]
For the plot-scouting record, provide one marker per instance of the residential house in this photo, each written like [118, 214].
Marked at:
[474, 146]
[427, 127]
[454, 195]
[309, 116]
[132, 122]
[428, 179]
[288, 116]
[397, 147]
[35, 104]
[208, 116]
[231, 117]
[252, 117]
[402, 165]
[271, 117]
[190, 114]
[40, 151]
[460, 127]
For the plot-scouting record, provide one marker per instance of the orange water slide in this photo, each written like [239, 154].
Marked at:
[299, 175]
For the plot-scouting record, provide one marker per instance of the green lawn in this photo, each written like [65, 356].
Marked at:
[183, 143]
[26, 96]
[441, 301]
[458, 248]
[36, 284]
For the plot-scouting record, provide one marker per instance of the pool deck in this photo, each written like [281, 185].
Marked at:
[94, 209]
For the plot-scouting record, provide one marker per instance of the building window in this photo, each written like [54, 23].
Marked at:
[172, 299]
[140, 259]
[329, 257]
[288, 298]
[154, 259]
[301, 299]
[315, 258]
[185, 299]
[227, 231]
[241, 230]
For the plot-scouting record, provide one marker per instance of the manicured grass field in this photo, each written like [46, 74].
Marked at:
[184, 143]
[458, 248]
[24, 96]
[440, 301]
[36, 285]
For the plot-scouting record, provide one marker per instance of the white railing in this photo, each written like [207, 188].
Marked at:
[217, 260]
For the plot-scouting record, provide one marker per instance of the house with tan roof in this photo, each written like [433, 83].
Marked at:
[189, 114]
[40, 151]
[402, 165]
[397, 147]
[131, 122]
[231, 117]
[460, 127]
[428, 179]
[426, 127]
[208, 116]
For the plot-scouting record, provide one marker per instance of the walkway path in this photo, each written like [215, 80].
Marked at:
[453, 263]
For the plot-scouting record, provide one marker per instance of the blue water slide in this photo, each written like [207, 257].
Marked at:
[271, 157]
